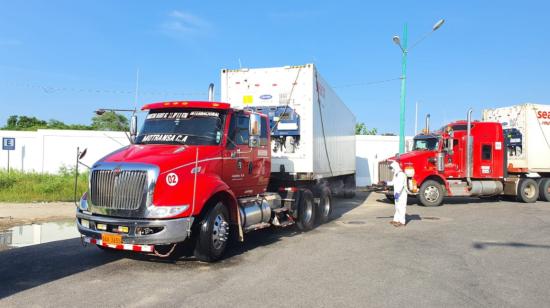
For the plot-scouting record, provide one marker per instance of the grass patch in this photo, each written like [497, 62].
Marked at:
[20, 186]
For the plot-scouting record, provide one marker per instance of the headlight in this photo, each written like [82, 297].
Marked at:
[154, 211]
[409, 171]
[83, 205]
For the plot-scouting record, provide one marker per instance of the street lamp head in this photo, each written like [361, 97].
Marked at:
[397, 40]
[438, 24]
[100, 112]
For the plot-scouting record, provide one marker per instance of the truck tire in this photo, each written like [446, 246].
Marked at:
[528, 191]
[431, 193]
[324, 209]
[306, 211]
[544, 189]
[213, 234]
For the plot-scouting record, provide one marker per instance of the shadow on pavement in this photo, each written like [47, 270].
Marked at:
[484, 245]
[28, 267]
[342, 206]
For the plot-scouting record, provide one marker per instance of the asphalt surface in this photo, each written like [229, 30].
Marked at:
[469, 252]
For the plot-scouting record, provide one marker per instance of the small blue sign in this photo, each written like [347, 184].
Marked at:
[8, 144]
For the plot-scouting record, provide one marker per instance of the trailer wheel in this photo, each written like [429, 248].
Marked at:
[324, 209]
[528, 191]
[306, 211]
[431, 193]
[544, 189]
[213, 234]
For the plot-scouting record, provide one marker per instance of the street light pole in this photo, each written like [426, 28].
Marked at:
[403, 91]
[405, 50]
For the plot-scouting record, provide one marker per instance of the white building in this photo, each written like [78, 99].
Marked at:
[48, 150]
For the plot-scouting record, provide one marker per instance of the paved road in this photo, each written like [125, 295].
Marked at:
[474, 254]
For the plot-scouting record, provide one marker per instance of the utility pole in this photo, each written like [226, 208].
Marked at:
[403, 91]
[415, 119]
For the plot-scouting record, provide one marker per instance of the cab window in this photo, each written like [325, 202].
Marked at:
[486, 152]
[238, 130]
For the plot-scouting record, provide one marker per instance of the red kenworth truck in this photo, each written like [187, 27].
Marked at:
[198, 172]
[508, 153]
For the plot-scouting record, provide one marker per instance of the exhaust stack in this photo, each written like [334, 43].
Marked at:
[469, 147]
[211, 92]
[427, 128]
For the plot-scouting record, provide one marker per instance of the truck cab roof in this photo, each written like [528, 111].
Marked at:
[187, 104]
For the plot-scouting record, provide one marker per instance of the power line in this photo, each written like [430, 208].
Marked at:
[54, 89]
[368, 83]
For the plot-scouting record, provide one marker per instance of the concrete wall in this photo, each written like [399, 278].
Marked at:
[47, 150]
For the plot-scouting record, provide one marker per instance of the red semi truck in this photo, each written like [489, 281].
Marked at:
[198, 172]
[505, 154]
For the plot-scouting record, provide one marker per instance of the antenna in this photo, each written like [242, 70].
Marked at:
[137, 90]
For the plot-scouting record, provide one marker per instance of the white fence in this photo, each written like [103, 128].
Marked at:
[48, 150]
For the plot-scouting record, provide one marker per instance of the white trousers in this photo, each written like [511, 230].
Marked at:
[400, 208]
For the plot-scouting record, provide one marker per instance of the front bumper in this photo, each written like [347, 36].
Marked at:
[168, 231]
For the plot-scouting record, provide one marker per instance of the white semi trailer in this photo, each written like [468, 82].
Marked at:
[312, 130]
[527, 138]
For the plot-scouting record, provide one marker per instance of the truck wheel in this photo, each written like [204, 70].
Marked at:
[213, 233]
[544, 190]
[528, 191]
[324, 209]
[306, 211]
[431, 193]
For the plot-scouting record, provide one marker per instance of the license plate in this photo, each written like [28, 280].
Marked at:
[111, 239]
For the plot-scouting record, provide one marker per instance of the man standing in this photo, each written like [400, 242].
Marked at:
[399, 182]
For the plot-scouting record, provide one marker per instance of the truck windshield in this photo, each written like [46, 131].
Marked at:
[182, 126]
[425, 144]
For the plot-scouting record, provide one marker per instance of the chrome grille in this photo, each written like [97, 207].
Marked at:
[120, 189]
[384, 172]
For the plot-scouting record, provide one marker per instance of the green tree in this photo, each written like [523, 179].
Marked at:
[361, 129]
[15, 122]
[110, 121]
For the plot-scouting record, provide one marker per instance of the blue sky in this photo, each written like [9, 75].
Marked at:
[63, 59]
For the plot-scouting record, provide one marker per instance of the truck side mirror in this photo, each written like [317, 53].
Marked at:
[255, 123]
[133, 127]
[254, 130]
[450, 143]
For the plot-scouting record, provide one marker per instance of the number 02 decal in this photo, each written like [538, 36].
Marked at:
[171, 179]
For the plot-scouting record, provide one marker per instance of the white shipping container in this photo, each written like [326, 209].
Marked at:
[527, 128]
[326, 143]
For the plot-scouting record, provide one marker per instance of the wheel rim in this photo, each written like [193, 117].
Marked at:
[219, 231]
[431, 193]
[308, 211]
[529, 190]
[326, 207]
